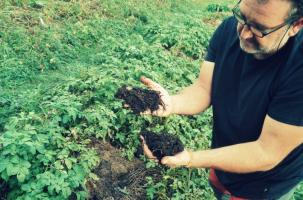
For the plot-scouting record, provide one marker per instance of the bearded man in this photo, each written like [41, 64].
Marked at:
[252, 77]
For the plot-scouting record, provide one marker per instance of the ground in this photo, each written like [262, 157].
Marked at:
[119, 178]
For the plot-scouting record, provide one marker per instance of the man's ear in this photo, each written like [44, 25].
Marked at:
[296, 27]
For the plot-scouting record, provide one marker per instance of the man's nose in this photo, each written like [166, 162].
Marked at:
[246, 32]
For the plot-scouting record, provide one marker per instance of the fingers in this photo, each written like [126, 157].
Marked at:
[160, 112]
[179, 160]
[146, 81]
[147, 112]
[149, 83]
[169, 161]
[142, 139]
[146, 150]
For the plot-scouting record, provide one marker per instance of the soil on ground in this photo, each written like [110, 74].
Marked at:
[140, 100]
[162, 144]
[119, 178]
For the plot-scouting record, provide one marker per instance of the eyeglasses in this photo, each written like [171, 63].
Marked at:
[256, 31]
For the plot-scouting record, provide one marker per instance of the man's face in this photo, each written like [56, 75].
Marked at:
[263, 16]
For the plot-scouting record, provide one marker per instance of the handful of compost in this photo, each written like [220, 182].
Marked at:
[162, 145]
[140, 100]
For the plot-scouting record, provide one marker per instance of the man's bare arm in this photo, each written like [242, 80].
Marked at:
[276, 141]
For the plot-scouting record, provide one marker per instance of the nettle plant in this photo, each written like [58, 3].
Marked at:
[48, 154]
[38, 161]
[46, 149]
[187, 39]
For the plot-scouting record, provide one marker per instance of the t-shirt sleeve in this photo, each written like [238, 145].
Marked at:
[214, 44]
[287, 103]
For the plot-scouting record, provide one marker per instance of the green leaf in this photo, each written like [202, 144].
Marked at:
[94, 176]
[81, 195]
[12, 169]
[65, 119]
[80, 172]
[21, 177]
[58, 165]
[40, 148]
[25, 164]
[15, 159]
[26, 187]
[4, 175]
[4, 164]
[66, 192]
[68, 163]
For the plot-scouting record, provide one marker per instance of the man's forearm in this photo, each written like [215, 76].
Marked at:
[240, 158]
[192, 100]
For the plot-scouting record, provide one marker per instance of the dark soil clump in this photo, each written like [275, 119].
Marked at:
[162, 144]
[139, 99]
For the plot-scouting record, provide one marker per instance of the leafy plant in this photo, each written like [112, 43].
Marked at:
[217, 8]
[61, 63]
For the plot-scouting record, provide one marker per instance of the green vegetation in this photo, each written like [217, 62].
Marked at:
[61, 63]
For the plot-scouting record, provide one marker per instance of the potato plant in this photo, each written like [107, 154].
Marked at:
[61, 63]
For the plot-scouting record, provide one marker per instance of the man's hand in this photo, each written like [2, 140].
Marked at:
[181, 159]
[146, 150]
[166, 99]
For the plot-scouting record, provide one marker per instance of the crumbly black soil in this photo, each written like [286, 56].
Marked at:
[140, 99]
[162, 144]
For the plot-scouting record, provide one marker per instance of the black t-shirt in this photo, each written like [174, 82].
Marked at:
[244, 91]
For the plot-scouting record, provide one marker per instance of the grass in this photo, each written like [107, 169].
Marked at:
[48, 47]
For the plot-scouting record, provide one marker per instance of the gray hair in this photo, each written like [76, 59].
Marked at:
[296, 11]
